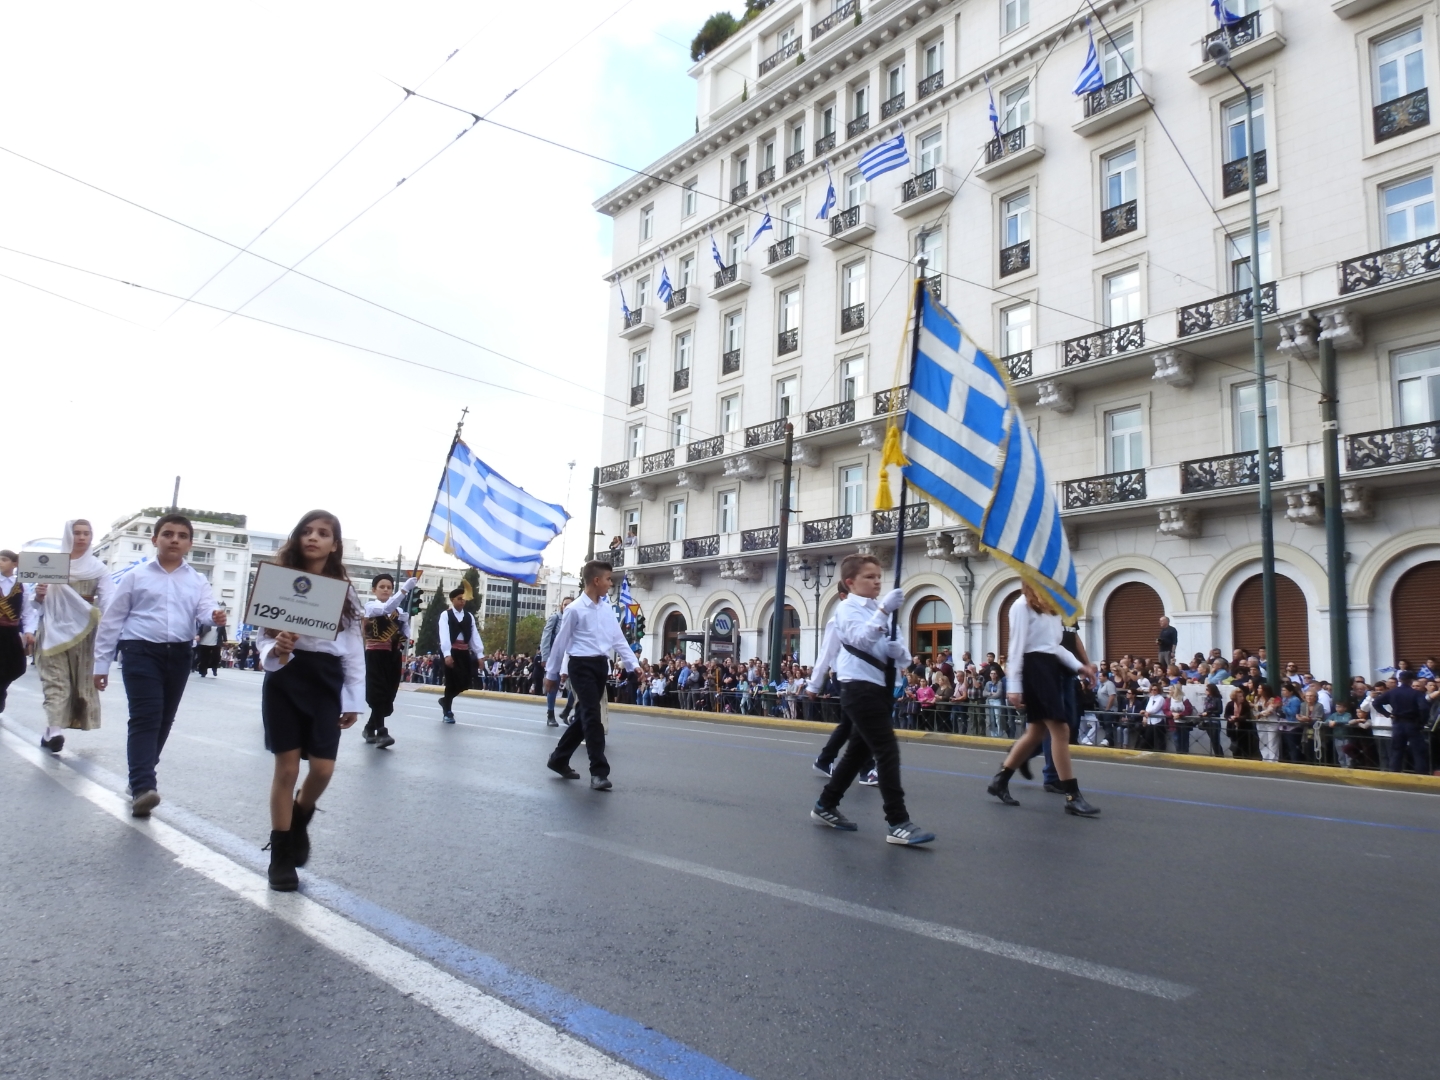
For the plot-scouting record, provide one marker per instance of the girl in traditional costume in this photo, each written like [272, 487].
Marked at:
[65, 644]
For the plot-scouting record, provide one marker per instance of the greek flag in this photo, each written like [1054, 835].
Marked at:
[715, 252]
[970, 451]
[884, 157]
[1090, 77]
[486, 521]
[766, 225]
[624, 307]
[1224, 14]
[664, 290]
[830, 200]
[994, 116]
[627, 603]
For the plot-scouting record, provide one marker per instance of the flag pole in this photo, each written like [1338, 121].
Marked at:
[904, 487]
[444, 473]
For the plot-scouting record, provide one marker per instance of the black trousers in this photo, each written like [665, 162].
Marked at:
[838, 738]
[209, 658]
[382, 683]
[155, 675]
[868, 708]
[12, 659]
[587, 687]
[458, 676]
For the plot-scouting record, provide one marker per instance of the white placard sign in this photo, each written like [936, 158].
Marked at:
[44, 567]
[286, 599]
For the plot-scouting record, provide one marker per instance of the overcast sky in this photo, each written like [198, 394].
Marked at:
[219, 116]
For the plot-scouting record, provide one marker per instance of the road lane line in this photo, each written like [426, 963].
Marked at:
[1069, 965]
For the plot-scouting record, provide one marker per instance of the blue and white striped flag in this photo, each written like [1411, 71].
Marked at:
[715, 252]
[970, 451]
[624, 307]
[766, 225]
[884, 157]
[1090, 77]
[627, 601]
[486, 521]
[830, 200]
[1224, 14]
[664, 290]
[994, 116]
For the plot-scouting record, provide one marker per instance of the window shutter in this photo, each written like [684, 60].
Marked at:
[1132, 621]
[1415, 615]
[1248, 614]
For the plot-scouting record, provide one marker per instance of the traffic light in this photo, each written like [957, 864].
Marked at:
[417, 603]
[639, 627]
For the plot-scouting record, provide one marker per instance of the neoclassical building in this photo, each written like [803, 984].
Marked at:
[1100, 244]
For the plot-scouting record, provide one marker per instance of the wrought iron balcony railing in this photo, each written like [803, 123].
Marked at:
[781, 249]
[682, 379]
[858, 125]
[824, 144]
[1241, 33]
[637, 394]
[891, 106]
[727, 275]
[764, 177]
[1401, 115]
[771, 62]
[1019, 365]
[929, 85]
[1227, 310]
[1228, 471]
[634, 318]
[653, 553]
[1119, 220]
[705, 448]
[794, 161]
[1392, 446]
[739, 191]
[678, 298]
[923, 184]
[830, 416]
[1235, 175]
[828, 529]
[852, 318]
[787, 342]
[658, 462]
[887, 521]
[898, 396]
[702, 547]
[609, 474]
[762, 434]
[1112, 93]
[760, 539]
[1111, 342]
[1009, 142]
[1119, 487]
[1390, 264]
[844, 219]
[1015, 258]
[933, 283]
[730, 362]
[834, 19]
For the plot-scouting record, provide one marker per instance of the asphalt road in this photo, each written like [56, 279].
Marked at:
[693, 923]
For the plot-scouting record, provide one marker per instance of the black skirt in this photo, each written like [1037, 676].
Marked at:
[300, 705]
[1042, 682]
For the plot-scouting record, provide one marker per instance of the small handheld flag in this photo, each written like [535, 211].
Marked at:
[1091, 78]
[829, 203]
[664, 290]
[766, 225]
[884, 157]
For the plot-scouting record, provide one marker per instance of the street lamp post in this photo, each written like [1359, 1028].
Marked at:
[1219, 51]
[817, 578]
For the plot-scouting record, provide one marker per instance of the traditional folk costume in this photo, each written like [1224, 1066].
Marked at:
[460, 640]
[12, 627]
[65, 645]
[386, 630]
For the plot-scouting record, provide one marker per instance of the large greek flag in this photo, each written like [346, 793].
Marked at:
[486, 521]
[970, 450]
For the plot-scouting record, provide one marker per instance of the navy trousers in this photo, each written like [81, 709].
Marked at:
[155, 675]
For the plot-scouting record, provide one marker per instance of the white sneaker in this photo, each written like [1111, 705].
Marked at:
[870, 779]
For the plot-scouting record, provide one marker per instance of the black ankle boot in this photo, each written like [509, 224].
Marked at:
[282, 863]
[383, 738]
[1075, 802]
[1000, 788]
[300, 835]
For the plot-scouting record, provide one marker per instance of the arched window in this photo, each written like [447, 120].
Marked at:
[670, 637]
[1003, 637]
[1415, 615]
[1132, 622]
[790, 638]
[1293, 615]
[931, 628]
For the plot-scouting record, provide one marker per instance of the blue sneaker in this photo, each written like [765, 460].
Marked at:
[833, 818]
[449, 718]
[870, 779]
[823, 770]
[908, 833]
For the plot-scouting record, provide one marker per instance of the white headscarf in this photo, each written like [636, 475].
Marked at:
[68, 615]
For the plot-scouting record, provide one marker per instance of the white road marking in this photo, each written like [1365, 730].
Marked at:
[1070, 965]
[538, 1045]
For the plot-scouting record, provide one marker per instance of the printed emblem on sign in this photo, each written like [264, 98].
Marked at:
[44, 560]
[302, 586]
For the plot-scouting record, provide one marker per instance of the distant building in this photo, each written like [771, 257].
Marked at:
[221, 552]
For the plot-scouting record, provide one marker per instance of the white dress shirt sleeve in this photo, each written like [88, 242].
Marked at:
[112, 623]
[444, 629]
[205, 602]
[30, 615]
[352, 694]
[829, 649]
[564, 634]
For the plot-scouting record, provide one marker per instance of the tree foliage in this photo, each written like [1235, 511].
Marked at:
[428, 639]
[713, 34]
[527, 633]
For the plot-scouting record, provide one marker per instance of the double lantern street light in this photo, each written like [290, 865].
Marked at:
[817, 578]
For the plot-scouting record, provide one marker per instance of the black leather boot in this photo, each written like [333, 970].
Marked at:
[282, 863]
[1000, 788]
[300, 834]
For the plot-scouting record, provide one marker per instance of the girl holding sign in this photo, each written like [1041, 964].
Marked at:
[65, 647]
[313, 689]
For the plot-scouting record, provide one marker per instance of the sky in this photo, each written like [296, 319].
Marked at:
[219, 116]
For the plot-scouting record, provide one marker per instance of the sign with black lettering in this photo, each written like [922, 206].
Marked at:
[44, 567]
[287, 599]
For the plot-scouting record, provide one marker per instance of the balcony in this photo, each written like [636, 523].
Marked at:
[1111, 342]
[653, 553]
[740, 191]
[1235, 175]
[1392, 446]
[614, 556]
[1227, 310]
[1401, 115]
[637, 394]
[764, 177]
[730, 362]
[1390, 265]
[779, 56]
[830, 416]
[652, 463]
[1119, 220]
[787, 341]
[824, 145]
[834, 19]
[929, 85]
[1119, 487]
[681, 380]
[892, 106]
[612, 474]
[899, 397]
[794, 161]
[1020, 365]
[636, 323]
[702, 547]
[929, 189]
[771, 431]
[1015, 258]
[785, 255]
[852, 318]
[705, 449]
[1228, 471]
[731, 280]
[1012, 150]
[850, 225]
[828, 530]
[857, 126]
[883, 522]
[760, 539]
[933, 282]
[683, 301]
[1117, 100]
[1255, 35]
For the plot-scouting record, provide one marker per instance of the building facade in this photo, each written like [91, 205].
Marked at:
[1100, 245]
[221, 552]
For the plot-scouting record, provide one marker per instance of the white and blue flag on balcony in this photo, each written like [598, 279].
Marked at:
[626, 603]
[994, 116]
[624, 307]
[1224, 14]
[715, 252]
[486, 521]
[1091, 77]
[830, 200]
[970, 451]
[766, 225]
[884, 157]
[664, 290]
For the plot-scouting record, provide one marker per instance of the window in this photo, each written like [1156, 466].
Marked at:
[680, 427]
[1235, 149]
[637, 367]
[1409, 209]
[932, 152]
[790, 219]
[1015, 329]
[1124, 440]
[1122, 297]
[229, 575]
[790, 310]
[675, 518]
[742, 170]
[852, 378]
[1120, 178]
[136, 547]
[767, 155]
[1015, 107]
[827, 121]
[687, 271]
[1247, 436]
[1118, 55]
[1240, 260]
[1017, 14]
[734, 245]
[729, 414]
[1417, 385]
[785, 400]
[632, 526]
[931, 246]
[785, 36]
[853, 284]
[734, 330]
[647, 222]
[797, 139]
[1016, 213]
[855, 188]
[860, 102]
[934, 58]
[642, 292]
[684, 348]
[852, 489]
[1399, 65]
[727, 511]
[230, 556]
[635, 440]
[689, 198]
[895, 81]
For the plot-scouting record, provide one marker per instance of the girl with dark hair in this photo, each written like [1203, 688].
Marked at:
[313, 689]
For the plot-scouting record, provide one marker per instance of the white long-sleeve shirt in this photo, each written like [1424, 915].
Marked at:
[588, 628]
[154, 604]
[861, 624]
[374, 608]
[349, 645]
[476, 643]
[1032, 632]
[829, 650]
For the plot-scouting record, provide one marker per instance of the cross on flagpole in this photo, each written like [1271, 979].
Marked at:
[445, 483]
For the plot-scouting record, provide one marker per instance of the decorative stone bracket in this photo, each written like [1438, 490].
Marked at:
[642, 491]
[1052, 394]
[740, 570]
[744, 467]
[689, 480]
[871, 437]
[610, 498]
[687, 575]
[1174, 369]
[1297, 337]
[965, 544]
[639, 581]
[1306, 507]
[1343, 327]
[1179, 521]
[1355, 502]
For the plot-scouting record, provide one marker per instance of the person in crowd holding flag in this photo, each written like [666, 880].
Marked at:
[15, 644]
[866, 667]
[151, 620]
[66, 616]
[386, 629]
[313, 689]
[461, 646]
[588, 633]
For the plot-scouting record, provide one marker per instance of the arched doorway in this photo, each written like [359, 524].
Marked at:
[931, 627]
[1132, 621]
[1415, 615]
[790, 633]
[724, 648]
[1248, 612]
[1003, 637]
[670, 635]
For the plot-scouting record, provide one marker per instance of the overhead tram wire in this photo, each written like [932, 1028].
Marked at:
[72, 300]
